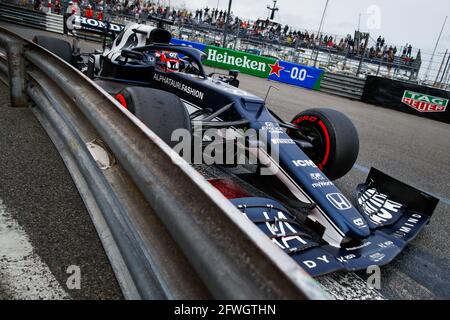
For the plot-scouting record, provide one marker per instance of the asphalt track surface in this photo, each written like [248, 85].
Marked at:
[411, 149]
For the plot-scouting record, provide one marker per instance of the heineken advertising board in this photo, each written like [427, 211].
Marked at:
[295, 74]
[259, 66]
[245, 62]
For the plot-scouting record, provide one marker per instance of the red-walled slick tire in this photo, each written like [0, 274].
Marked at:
[334, 138]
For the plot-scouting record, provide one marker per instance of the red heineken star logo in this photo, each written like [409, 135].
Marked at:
[275, 69]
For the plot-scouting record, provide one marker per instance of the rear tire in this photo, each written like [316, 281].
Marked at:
[336, 142]
[159, 110]
[61, 48]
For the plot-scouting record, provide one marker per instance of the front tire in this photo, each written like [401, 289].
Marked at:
[334, 138]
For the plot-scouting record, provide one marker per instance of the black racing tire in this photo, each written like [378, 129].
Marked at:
[159, 110]
[335, 140]
[59, 47]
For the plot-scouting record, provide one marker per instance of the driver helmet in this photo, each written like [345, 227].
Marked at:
[170, 60]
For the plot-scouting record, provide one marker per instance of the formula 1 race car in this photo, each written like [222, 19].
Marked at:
[166, 87]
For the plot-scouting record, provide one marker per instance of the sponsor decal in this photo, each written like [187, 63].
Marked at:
[296, 74]
[304, 163]
[363, 245]
[378, 208]
[424, 103]
[179, 86]
[283, 141]
[339, 201]
[306, 118]
[322, 184]
[317, 176]
[385, 244]
[377, 256]
[359, 222]
[271, 127]
[78, 22]
[320, 181]
[275, 69]
[408, 226]
[344, 259]
[311, 264]
[278, 229]
[244, 62]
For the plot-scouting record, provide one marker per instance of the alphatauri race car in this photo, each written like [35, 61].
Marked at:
[307, 216]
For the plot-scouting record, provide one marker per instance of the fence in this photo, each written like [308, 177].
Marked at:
[343, 85]
[37, 19]
[167, 232]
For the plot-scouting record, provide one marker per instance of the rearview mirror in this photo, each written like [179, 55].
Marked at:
[130, 54]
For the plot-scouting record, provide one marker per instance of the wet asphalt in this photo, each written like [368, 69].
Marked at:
[39, 193]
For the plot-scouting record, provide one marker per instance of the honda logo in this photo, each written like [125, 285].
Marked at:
[339, 201]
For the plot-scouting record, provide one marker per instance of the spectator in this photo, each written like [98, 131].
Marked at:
[57, 7]
[100, 14]
[89, 13]
[69, 10]
[390, 61]
[37, 4]
[409, 51]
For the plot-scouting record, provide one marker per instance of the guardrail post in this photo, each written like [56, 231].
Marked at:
[16, 69]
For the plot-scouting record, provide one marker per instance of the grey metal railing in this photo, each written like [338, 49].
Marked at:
[37, 19]
[347, 86]
[167, 232]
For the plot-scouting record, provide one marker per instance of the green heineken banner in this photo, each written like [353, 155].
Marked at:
[244, 62]
[259, 66]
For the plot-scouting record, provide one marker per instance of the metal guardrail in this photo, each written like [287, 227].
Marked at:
[343, 85]
[31, 18]
[167, 232]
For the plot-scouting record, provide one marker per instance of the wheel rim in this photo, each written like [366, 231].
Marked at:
[317, 133]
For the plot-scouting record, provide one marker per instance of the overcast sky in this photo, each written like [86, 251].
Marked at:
[413, 21]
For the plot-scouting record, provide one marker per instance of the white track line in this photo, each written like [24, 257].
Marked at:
[23, 275]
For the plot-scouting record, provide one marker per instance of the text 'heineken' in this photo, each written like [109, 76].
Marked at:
[242, 61]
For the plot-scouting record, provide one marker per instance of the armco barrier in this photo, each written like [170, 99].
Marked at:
[408, 97]
[167, 232]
